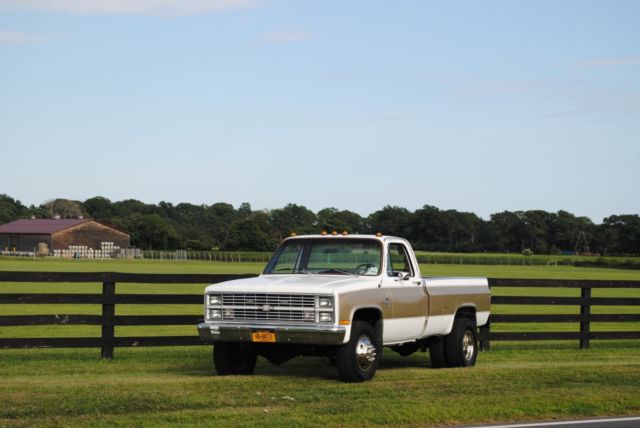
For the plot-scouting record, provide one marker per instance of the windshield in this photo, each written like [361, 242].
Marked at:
[327, 256]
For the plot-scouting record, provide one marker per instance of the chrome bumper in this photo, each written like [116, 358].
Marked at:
[306, 335]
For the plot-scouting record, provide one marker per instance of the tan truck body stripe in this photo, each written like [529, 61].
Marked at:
[409, 301]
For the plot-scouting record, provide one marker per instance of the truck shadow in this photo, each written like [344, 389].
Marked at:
[392, 359]
[302, 367]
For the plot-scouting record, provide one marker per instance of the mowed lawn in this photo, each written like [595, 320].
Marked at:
[162, 386]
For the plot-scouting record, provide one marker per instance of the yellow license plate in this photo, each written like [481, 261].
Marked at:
[263, 336]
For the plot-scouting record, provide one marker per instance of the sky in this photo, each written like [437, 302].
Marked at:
[474, 106]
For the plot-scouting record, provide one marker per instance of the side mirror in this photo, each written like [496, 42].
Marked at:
[403, 276]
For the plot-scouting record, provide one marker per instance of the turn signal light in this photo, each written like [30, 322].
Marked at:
[345, 322]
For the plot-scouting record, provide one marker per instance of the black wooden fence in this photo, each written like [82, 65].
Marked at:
[585, 302]
[109, 298]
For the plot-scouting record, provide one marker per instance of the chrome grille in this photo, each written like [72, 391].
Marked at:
[269, 307]
[282, 300]
[273, 315]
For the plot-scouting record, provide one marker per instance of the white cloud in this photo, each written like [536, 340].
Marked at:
[567, 97]
[18, 38]
[502, 87]
[609, 61]
[602, 101]
[286, 36]
[129, 7]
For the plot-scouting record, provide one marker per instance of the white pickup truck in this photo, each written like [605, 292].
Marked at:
[344, 297]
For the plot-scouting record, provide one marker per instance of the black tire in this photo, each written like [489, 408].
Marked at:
[332, 360]
[357, 360]
[461, 345]
[233, 359]
[436, 353]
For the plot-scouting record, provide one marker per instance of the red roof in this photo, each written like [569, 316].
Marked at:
[46, 226]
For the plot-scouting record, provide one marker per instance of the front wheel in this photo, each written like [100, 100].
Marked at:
[233, 359]
[357, 360]
[461, 345]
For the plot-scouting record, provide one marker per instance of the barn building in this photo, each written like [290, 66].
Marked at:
[58, 234]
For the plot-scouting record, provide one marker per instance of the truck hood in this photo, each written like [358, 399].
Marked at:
[298, 283]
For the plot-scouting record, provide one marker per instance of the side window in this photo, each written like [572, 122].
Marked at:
[398, 260]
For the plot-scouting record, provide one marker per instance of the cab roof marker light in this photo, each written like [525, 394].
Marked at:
[323, 233]
[334, 233]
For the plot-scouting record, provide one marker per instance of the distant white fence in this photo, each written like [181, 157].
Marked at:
[211, 256]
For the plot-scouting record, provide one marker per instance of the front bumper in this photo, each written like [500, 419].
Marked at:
[305, 335]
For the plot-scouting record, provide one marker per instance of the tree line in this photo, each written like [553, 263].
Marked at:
[222, 226]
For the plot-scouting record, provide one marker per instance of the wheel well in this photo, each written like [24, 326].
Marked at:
[467, 312]
[370, 315]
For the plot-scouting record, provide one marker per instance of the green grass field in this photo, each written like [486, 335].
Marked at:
[162, 386]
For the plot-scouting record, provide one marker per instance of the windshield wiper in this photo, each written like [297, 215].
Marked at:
[338, 271]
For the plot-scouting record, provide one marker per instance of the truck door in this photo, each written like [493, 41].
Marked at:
[408, 299]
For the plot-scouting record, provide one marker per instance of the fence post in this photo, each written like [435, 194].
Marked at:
[485, 332]
[108, 313]
[585, 312]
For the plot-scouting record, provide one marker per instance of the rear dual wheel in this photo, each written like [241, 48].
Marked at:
[458, 349]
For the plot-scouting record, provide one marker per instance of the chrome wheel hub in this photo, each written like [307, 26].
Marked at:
[365, 353]
[468, 345]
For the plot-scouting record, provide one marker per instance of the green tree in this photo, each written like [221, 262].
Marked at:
[221, 216]
[331, 219]
[244, 210]
[509, 231]
[10, 209]
[429, 229]
[292, 218]
[392, 220]
[622, 234]
[566, 228]
[251, 234]
[132, 206]
[150, 231]
[537, 227]
[99, 208]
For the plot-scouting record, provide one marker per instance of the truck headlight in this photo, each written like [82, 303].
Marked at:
[215, 314]
[326, 317]
[325, 302]
[215, 299]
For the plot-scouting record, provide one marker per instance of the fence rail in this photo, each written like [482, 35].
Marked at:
[108, 300]
[584, 318]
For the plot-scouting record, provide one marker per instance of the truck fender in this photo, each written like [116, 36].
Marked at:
[441, 325]
[352, 314]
